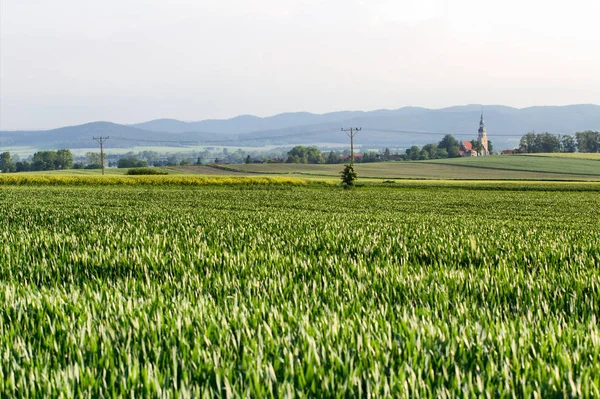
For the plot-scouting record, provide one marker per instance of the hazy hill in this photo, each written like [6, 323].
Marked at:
[81, 136]
[500, 118]
[407, 126]
[245, 123]
[395, 128]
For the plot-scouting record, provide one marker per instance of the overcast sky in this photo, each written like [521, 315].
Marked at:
[65, 62]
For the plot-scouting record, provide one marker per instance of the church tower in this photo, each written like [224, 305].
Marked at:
[482, 136]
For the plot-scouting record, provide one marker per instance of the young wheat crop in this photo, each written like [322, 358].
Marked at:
[303, 291]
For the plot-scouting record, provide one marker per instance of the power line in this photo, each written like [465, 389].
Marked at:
[351, 132]
[191, 142]
[241, 138]
[433, 133]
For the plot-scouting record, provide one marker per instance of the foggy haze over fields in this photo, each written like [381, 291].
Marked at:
[68, 62]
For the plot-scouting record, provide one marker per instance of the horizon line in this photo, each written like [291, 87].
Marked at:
[134, 125]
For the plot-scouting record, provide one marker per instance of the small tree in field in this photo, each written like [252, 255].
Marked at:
[349, 175]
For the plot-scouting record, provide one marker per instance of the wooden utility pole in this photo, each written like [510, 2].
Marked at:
[101, 141]
[351, 133]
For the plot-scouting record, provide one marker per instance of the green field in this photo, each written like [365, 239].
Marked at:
[74, 172]
[557, 167]
[543, 163]
[416, 289]
[89, 172]
[481, 168]
[574, 155]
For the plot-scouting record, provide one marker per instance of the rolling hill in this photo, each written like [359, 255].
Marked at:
[81, 136]
[457, 120]
[393, 128]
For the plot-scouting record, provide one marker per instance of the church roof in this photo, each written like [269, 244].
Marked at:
[467, 145]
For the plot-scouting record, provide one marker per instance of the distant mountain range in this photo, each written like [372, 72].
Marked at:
[394, 128]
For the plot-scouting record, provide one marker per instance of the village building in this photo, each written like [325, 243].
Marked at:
[347, 157]
[466, 147]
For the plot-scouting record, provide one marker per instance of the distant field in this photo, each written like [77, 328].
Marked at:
[503, 167]
[544, 164]
[204, 170]
[84, 172]
[575, 155]
[94, 172]
[484, 168]
[22, 151]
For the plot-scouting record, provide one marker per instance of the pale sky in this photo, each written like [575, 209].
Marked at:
[66, 62]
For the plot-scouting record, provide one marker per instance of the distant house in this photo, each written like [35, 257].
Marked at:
[466, 149]
[347, 157]
[509, 152]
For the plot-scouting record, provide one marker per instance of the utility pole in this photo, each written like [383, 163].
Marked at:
[101, 141]
[351, 133]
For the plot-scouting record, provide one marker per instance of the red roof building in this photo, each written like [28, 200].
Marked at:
[356, 156]
[466, 149]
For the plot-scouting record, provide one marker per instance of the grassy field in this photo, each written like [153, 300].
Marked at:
[538, 164]
[482, 168]
[156, 180]
[574, 155]
[416, 289]
[90, 172]
[565, 167]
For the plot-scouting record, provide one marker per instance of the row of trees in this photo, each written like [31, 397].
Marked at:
[447, 147]
[41, 161]
[301, 154]
[587, 141]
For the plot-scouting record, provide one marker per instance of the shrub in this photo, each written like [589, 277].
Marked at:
[348, 175]
[145, 171]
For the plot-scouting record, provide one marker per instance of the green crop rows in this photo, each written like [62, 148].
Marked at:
[292, 291]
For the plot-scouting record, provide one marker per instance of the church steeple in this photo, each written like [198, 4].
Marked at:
[482, 136]
[481, 124]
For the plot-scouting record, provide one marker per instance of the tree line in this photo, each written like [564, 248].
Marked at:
[587, 141]
[447, 147]
[59, 160]
[41, 161]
